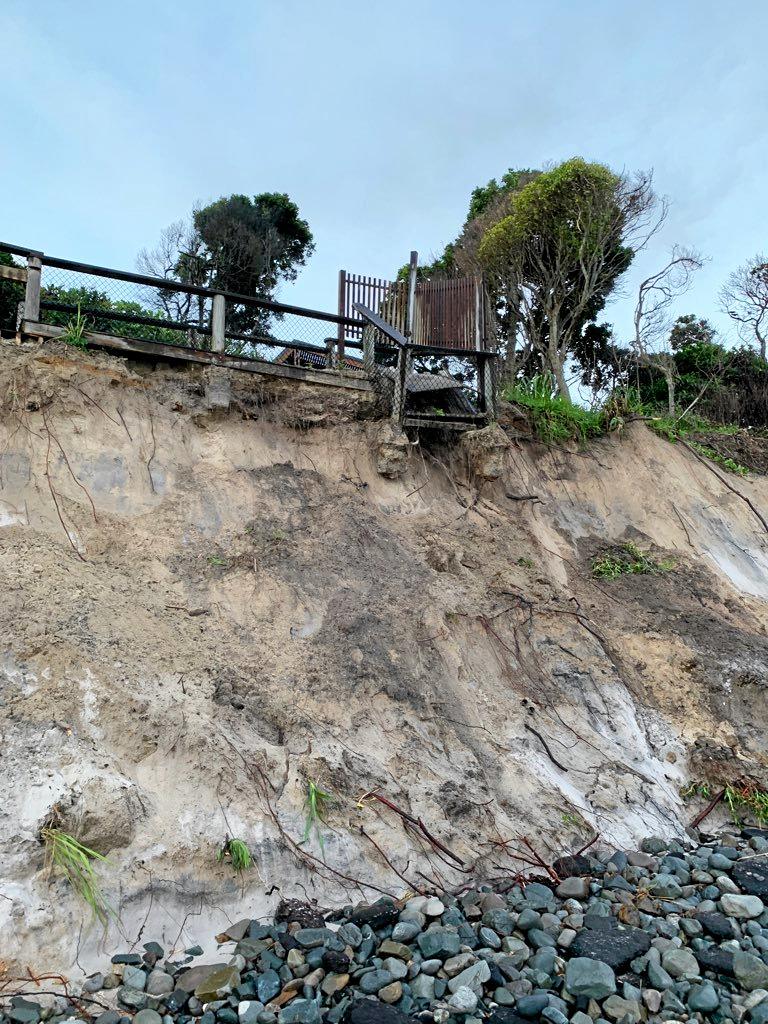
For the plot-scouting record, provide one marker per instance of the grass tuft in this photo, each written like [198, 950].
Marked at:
[317, 806]
[628, 560]
[68, 856]
[74, 330]
[237, 853]
[553, 419]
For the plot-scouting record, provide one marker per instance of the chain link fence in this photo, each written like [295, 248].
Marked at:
[176, 316]
[430, 386]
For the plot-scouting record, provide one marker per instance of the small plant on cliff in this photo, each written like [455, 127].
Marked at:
[627, 560]
[747, 796]
[67, 856]
[554, 419]
[74, 331]
[237, 853]
[317, 805]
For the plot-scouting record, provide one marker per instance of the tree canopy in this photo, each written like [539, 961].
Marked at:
[567, 237]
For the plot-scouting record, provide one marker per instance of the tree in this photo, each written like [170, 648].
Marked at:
[11, 294]
[253, 245]
[654, 299]
[744, 297]
[236, 244]
[569, 235]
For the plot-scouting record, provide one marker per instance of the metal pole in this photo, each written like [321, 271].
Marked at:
[218, 323]
[411, 294]
[32, 293]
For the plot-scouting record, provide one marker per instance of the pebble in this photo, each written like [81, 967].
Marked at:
[663, 933]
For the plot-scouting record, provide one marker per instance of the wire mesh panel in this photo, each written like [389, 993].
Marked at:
[175, 315]
[430, 387]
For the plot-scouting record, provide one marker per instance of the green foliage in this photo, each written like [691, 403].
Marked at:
[250, 246]
[680, 430]
[74, 861]
[627, 560]
[553, 419]
[746, 796]
[526, 563]
[11, 294]
[317, 806]
[742, 796]
[74, 331]
[484, 196]
[93, 299]
[237, 853]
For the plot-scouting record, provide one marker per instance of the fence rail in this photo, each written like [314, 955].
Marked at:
[176, 313]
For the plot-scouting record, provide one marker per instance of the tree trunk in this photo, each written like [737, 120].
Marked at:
[670, 393]
[558, 373]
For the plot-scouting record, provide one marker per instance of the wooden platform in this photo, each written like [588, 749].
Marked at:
[184, 354]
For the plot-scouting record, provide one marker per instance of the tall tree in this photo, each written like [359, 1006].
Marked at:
[569, 235]
[744, 297]
[653, 339]
[237, 244]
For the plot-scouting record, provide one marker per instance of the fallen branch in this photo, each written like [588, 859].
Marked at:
[418, 823]
[708, 809]
[543, 742]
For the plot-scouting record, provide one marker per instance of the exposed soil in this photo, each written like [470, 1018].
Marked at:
[195, 602]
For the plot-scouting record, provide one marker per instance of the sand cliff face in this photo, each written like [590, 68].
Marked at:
[200, 612]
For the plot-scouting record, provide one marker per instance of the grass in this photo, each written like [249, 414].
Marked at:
[553, 419]
[237, 853]
[74, 330]
[526, 563]
[741, 796]
[316, 805]
[68, 856]
[628, 560]
[681, 429]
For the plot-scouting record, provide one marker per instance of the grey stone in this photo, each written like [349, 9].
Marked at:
[371, 983]
[626, 1010]
[439, 942]
[463, 1000]
[300, 1011]
[134, 977]
[404, 931]
[147, 1017]
[741, 907]
[573, 888]
[423, 987]
[750, 971]
[397, 968]
[311, 938]
[473, 977]
[587, 977]
[680, 963]
[703, 998]
[159, 983]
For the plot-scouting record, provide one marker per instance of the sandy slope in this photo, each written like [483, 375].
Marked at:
[187, 596]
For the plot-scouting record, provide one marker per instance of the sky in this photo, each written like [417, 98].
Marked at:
[378, 119]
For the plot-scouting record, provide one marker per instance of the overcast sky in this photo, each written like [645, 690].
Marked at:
[377, 118]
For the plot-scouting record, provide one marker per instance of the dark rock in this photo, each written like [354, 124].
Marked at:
[268, 986]
[616, 946]
[570, 867]
[369, 1011]
[300, 911]
[378, 915]
[335, 961]
[752, 876]
[715, 959]
[127, 958]
[505, 1015]
[716, 925]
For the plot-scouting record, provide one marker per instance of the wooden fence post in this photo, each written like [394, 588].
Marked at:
[32, 293]
[414, 262]
[342, 312]
[218, 323]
